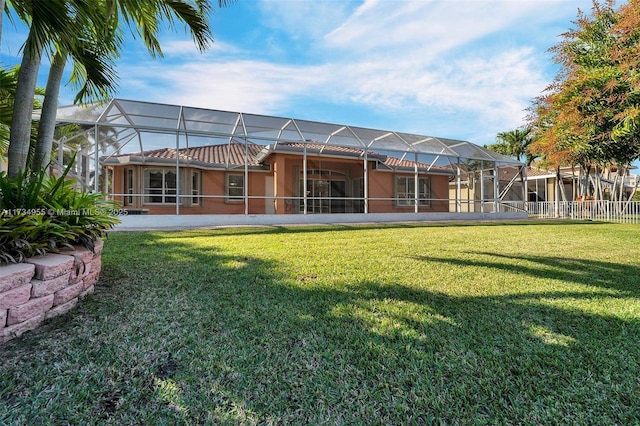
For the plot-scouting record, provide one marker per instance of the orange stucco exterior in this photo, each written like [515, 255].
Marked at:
[277, 189]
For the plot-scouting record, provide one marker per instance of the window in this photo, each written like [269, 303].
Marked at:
[235, 187]
[326, 191]
[129, 188]
[406, 191]
[160, 186]
[358, 195]
[195, 188]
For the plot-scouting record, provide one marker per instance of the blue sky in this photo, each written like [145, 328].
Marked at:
[460, 69]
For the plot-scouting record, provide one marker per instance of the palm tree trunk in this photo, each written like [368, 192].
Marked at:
[2, 2]
[20, 137]
[47, 124]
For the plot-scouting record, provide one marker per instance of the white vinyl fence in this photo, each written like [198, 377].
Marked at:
[604, 211]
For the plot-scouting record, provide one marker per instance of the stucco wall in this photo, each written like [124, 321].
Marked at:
[212, 185]
[382, 185]
[285, 172]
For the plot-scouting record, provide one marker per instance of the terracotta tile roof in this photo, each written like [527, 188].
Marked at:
[531, 172]
[508, 172]
[391, 162]
[326, 149]
[232, 153]
[408, 164]
[221, 154]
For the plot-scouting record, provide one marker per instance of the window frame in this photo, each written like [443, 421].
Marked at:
[164, 193]
[129, 181]
[227, 188]
[408, 200]
[196, 187]
[318, 202]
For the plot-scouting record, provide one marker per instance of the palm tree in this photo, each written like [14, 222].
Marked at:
[7, 95]
[8, 83]
[48, 19]
[70, 18]
[514, 143]
[2, 4]
[93, 58]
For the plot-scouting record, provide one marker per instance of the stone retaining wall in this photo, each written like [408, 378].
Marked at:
[44, 287]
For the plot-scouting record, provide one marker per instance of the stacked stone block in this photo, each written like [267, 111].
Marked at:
[45, 287]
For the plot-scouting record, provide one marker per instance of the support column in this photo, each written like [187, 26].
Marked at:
[496, 188]
[458, 188]
[366, 182]
[416, 184]
[304, 178]
[481, 186]
[246, 177]
[177, 173]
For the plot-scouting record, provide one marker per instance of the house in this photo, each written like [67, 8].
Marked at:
[541, 183]
[164, 159]
[215, 179]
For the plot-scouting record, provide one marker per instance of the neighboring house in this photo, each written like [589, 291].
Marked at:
[214, 179]
[541, 183]
[477, 189]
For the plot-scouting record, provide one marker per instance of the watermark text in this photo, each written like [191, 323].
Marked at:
[64, 212]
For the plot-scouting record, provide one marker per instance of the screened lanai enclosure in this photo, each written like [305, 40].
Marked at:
[160, 159]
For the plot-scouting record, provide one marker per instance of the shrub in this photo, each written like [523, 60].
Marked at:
[26, 235]
[40, 214]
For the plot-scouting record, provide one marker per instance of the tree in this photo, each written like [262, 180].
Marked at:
[514, 143]
[589, 115]
[71, 18]
[626, 132]
[93, 56]
[2, 5]
[47, 19]
[8, 83]
[8, 80]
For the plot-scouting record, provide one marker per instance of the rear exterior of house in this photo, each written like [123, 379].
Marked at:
[286, 178]
[175, 160]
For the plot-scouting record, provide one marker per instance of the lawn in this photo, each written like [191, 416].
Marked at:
[523, 323]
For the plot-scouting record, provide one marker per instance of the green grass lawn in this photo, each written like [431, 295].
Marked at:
[526, 323]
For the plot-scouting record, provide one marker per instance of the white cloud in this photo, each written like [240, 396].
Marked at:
[477, 58]
[181, 48]
[472, 59]
[305, 19]
[475, 85]
[249, 86]
[460, 67]
[397, 28]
